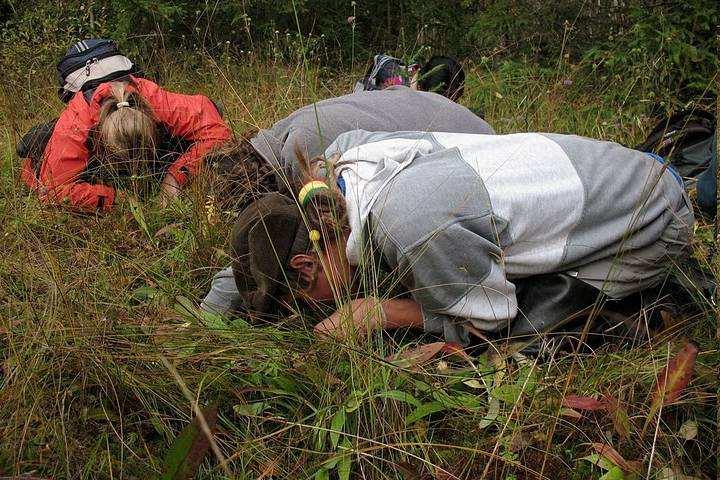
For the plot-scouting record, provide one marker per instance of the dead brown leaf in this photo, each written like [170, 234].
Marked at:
[418, 355]
[611, 454]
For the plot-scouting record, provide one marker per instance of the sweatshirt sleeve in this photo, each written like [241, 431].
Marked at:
[191, 117]
[66, 157]
[457, 276]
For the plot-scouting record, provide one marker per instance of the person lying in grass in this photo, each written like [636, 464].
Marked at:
[463, 221]
[267, 161]
[440, 74]
[117, 127]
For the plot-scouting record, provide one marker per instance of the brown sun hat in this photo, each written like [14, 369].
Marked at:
[266, 235]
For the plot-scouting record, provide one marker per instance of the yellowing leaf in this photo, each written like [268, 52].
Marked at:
[688, 430]
[473, 383]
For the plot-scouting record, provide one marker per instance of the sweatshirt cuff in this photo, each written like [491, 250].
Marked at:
[107, 200]
[451, 328]
[179, 173]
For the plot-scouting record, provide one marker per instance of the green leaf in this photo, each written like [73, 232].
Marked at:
[344, 465]
[145, 293]
[354, 400]
[615, 473]
[400, 396]
[599, 461]
[250, 409]
[322, 474]
[336, 425]
[185, 307]
[508, 393]
[213, 321]
[189, 448]
[139, 217]
[423, 411]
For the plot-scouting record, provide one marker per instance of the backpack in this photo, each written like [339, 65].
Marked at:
[384, 68]
[87, 64]
[685, 140]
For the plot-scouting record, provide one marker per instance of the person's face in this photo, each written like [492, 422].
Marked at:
[326, 272]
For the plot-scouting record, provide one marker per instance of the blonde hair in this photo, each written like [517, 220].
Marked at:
[127, 134]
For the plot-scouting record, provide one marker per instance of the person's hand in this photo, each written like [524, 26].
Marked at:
[169, 191]
[359, 316]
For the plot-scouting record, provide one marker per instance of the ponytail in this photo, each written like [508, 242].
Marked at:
[127, 134]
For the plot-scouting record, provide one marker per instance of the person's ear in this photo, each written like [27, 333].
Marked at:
[306, 266]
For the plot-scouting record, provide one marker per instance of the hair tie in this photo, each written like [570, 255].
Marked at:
[309, 189]
[122, 104]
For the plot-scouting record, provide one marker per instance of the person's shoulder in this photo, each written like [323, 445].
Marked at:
[145, 86]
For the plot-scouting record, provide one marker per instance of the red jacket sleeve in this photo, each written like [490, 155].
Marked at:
[66, 157]
[192, 117]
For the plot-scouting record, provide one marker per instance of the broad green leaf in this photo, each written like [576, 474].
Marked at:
[354, 400]
[344, 465]
[400, 396]
[213, 321]
[423, 411]
[145, 293]
[250, 409]
[599, 461]
[189, 448]
[322, 474]
[508, 393]
[615, 473]
[336, 425]
[527, 379]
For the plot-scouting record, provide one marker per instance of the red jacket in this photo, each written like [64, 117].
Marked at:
[192, 117]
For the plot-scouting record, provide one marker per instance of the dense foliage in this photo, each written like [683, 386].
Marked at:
[671, 45]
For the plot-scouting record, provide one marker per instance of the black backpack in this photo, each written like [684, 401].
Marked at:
[87, 64]
[685, 139]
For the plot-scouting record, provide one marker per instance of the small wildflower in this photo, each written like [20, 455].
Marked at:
[351, 19]
[567, 82]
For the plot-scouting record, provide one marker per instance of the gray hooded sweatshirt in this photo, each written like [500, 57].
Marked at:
[313, 128]
[459, 216]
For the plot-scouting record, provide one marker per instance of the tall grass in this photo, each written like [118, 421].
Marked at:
[95, 307]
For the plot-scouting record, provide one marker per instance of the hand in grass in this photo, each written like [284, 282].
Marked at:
[363, 315]
[169, 191]
[359, 317]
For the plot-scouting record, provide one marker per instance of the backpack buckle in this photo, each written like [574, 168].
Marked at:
[89, 64]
